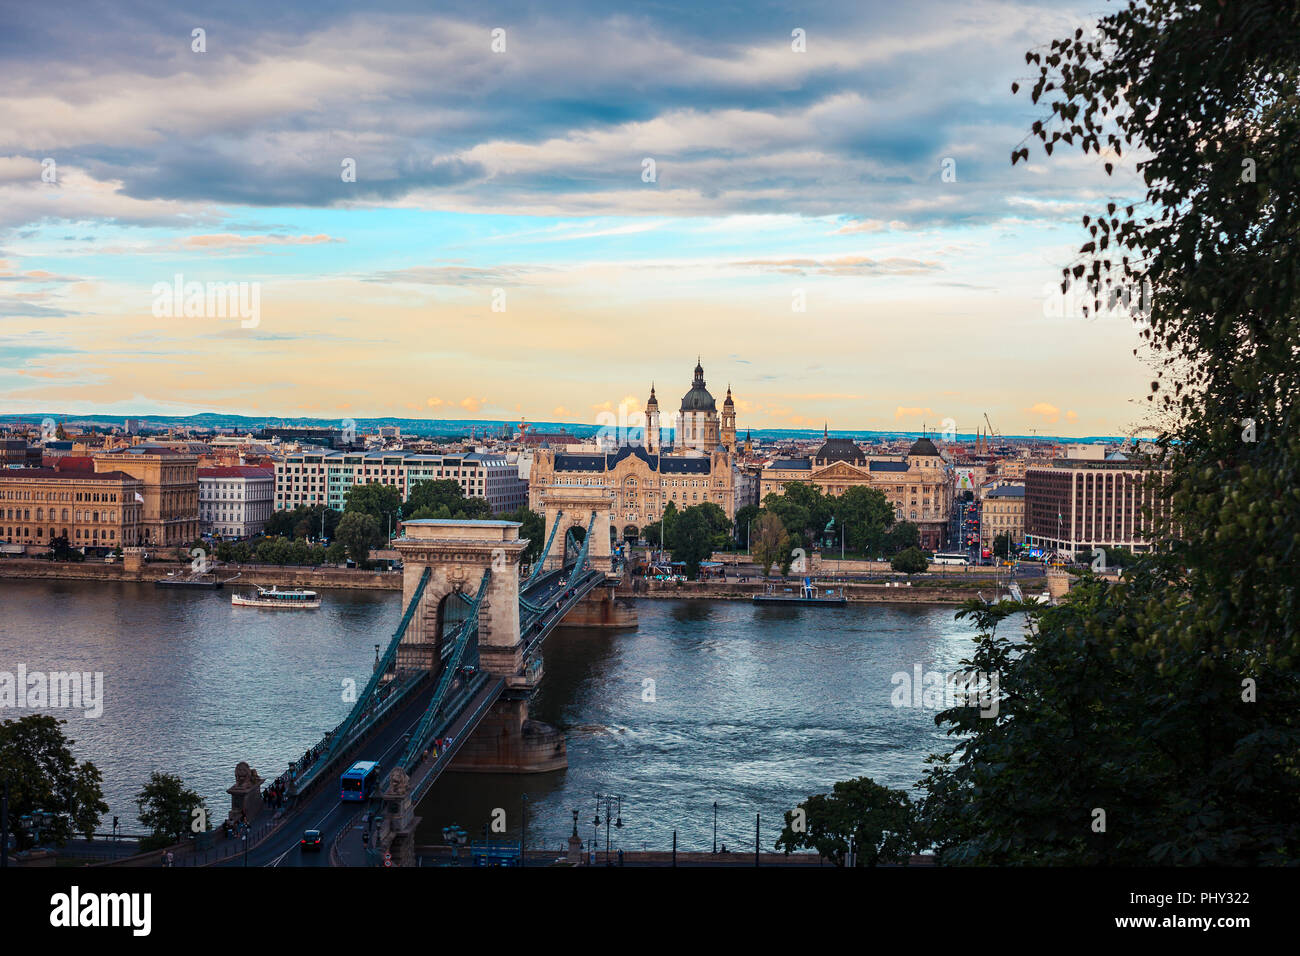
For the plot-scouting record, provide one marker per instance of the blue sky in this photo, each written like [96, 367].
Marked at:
[501, 251]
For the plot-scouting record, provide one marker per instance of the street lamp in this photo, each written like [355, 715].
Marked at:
[715, 826]
[610, 811]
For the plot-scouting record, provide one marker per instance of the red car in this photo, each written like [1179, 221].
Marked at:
[310, 840]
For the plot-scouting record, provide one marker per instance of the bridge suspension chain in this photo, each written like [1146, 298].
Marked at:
[468, 629]
[364, 701]
[541, 558]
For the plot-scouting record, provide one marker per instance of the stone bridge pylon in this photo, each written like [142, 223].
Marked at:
[457, 552]
[571, 506]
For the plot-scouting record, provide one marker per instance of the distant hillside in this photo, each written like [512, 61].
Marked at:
[458, 427]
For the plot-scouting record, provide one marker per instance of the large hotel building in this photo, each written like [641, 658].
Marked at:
[318, 476]
[917, 485]
[1073, 506]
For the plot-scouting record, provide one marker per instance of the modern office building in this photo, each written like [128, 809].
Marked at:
[1075, 505]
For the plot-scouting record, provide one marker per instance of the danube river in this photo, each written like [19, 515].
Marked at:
[753, 707]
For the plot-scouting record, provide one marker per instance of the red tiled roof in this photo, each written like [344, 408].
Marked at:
[69, 463]
[68, 475]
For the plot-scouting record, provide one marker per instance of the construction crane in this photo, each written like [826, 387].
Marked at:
[992, 431]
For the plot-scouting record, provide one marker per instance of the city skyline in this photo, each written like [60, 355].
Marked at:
[835, 186]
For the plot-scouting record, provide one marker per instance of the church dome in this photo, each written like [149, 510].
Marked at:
[698, 398]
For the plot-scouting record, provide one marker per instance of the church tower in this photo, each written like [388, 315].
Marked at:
[652, 423]
[729, 422]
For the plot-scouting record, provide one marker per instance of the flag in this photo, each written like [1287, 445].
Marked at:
[139, 497]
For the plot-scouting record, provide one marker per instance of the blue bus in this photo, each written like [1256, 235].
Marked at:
[359, 780]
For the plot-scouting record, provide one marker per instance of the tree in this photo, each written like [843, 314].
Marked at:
[37, 762]
[532, 527]
[880, 822]
[360, 532]
[1138, 698]
[910, 561]
[693, 537]
[302, 522]
[865, 517]
[1002, 545]
[62, 550]
[744, 529]
[379, 501]
[771, 542]
[167, 808]
[902, 536]
[431, 495]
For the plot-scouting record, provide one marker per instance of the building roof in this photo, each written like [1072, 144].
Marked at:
[236, 471]
[840, 449]
[698, 398]
[923, 446]
[886, 465]
[791, 464]
[71, 475]
[1007, 491]
[667, 464]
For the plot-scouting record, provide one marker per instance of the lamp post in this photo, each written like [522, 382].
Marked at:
[610, 811]
[715, 826]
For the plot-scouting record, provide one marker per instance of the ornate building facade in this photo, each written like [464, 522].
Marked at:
[918, 485]
[695, 467]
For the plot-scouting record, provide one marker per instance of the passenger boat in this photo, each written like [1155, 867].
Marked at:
[275, 598]
[807, 595]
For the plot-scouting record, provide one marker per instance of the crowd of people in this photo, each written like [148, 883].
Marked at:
[274, 795]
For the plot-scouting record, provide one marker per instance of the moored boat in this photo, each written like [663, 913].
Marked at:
[807, 595]
[277, 599]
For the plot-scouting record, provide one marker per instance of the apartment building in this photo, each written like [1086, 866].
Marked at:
[235, 501]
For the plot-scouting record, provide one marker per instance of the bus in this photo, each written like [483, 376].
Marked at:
[952, 557]
[359, 780]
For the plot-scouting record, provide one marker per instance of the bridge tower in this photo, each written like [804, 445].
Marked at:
[577, 502]
[457, 552]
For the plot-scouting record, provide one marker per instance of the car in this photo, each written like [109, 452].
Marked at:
[310, 840]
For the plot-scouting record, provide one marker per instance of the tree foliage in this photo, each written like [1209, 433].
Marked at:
[880, 822]
[37, 762]
[1169, 701]
[167, 808]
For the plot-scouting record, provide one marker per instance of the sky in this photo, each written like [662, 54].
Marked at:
[505, 210]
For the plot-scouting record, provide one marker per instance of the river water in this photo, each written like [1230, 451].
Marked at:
[753, 707]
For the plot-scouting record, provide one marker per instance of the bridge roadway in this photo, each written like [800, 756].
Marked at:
[324, 811]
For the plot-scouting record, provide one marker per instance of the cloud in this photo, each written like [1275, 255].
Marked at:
[902, 412]
[1044, 410]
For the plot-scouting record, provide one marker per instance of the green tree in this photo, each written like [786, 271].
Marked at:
[532, 527]
[167, 808]
[1002, 545]
[693, 537]
[1138, 698]
[431, 495]
[879, 822]
[865, 515]
[903, 535]
[771, 542]
[379, 501]
[910, 561]
[37, 762]
[360, 532]
[744, 529]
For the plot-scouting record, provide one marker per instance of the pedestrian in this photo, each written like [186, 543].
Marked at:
[171, 860]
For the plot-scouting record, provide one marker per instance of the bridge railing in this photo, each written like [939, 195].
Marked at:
[423, 779]
[467, 636]
[373, 700]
